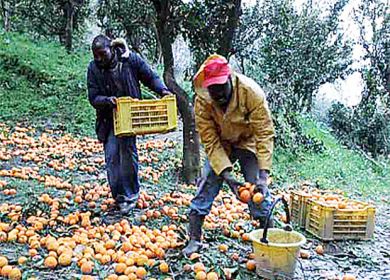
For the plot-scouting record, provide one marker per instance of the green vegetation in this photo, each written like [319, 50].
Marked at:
[335, 167]
[42, 84]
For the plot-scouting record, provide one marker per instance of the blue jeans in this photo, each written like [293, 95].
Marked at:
[122, 167]
[201, 204]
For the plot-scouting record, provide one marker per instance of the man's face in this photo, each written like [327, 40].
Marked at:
[221, 93]
[103, 57]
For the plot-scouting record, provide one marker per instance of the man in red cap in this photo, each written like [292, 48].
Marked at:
[234, 124]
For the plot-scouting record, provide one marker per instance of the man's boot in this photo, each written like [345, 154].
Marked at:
[195, 232]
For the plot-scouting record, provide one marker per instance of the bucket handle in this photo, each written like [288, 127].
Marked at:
[270, 211]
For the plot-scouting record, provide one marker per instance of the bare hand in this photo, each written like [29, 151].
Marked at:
[166, 93]
[112, 101]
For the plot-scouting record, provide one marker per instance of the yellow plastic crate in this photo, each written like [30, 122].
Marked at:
[298, 204]
[298, 201]
[330, 223]
[140, 117]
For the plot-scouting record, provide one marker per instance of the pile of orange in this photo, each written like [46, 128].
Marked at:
[334, 199]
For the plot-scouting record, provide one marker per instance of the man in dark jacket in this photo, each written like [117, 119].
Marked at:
[116, 72]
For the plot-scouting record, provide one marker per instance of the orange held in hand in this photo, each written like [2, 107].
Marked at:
[245, 196]
[247, 193]
[258, 198]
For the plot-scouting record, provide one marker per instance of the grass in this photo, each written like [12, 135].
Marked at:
[41, 84]
[335, 168]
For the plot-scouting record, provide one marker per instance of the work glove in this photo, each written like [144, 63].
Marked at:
[122, 45]
[234, 185]
[165, 93]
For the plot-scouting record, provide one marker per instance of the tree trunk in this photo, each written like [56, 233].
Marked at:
[6, 7]
[69, 9]
[191, 156]
[387, 79]
[232, 23]
[158, 51]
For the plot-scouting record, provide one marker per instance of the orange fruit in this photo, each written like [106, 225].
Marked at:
[50, 262]
[130, 261]
[112, 277]
[305, 254]
[22, 260]
[3, 261]
[141, 272]
[110, 244]
[126, 247]
[245, 237]
[200, 275]
[150, 262]
[245, 196]
[194, 256]
[235, 234]
[251, 256]
[32, 252]
[223, 247]
[15, 274]
[68, 194]
[212, 276]
[65, 259]
[52, 246]
[258, 198]
[120, 268]
[53, 254]
[105, 259]
[6, 270]
[122, 259]
[349, 277]
[86, 267]
[319, 250]
[342, 205]
[164, 268]
[199, 267]
[123, 277]
[142, 260]
[131, 269]
[251, 265]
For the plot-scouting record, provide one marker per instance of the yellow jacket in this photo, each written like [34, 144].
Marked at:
[246, 124]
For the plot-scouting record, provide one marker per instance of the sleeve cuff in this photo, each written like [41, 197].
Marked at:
[265, 165]
[220, 166]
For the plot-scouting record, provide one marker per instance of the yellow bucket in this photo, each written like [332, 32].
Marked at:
[276, 250]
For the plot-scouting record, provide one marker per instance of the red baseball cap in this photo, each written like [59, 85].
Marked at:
[216, 71]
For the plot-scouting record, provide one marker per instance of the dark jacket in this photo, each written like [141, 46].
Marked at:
[133, 71]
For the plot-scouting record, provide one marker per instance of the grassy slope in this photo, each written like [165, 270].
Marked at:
[336, 167]
[43, 85]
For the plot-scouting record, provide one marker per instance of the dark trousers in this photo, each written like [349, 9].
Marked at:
[122, 167]
[201, 204]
